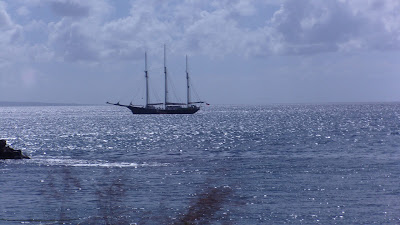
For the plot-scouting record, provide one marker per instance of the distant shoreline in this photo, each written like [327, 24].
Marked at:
[5, 104]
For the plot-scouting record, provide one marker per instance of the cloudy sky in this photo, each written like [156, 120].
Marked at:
[240, 51]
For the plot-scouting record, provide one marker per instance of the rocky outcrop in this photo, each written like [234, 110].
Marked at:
[6, 152]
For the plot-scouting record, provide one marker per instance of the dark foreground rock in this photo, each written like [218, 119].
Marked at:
[6, 152]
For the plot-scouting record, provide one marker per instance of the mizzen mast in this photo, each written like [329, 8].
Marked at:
[147, 79]
[187, 83]
[166, 84]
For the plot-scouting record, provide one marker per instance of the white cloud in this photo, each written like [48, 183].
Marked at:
[38, 36]
[70, 8]
[71, 41]
[215, 33]
[310, 26]
[9, 38]
[85, 31]
[77, 35]
[315, 26]
[5, 20]
[245, 8]
[206, 27]
[142, 29]
[23, 11]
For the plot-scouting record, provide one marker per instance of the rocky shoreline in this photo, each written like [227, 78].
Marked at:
[6, 152]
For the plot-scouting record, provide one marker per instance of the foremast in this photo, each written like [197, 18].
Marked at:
[147, 79]
[188, 101]
[166, 80]
[187, 84]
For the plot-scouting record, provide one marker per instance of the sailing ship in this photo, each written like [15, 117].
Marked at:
[167, 107]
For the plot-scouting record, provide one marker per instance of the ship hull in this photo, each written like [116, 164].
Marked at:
[143, 110]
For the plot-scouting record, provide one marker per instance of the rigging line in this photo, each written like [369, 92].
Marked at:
[154, 92]
[157, 69]
[138, 91]
[128, 95]
[194, 91]
[170, 81]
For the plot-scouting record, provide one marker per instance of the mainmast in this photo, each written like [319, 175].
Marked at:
[187, 83]
[166, 85]
[147, 79]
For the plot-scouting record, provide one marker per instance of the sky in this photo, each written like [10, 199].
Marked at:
[240, 51]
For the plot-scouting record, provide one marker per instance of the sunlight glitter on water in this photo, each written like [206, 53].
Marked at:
[284, 163]
[43, 161]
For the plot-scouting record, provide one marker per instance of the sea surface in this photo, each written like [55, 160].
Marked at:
[273, 164]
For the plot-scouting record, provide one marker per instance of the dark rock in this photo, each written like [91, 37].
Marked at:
[6, 152]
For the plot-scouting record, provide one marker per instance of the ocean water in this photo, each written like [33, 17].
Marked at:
[274, 164]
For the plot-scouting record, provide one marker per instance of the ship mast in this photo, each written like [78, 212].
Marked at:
[166, 85]
[187, 83]
[147, 79]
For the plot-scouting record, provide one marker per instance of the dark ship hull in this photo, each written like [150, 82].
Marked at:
[172, 110]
